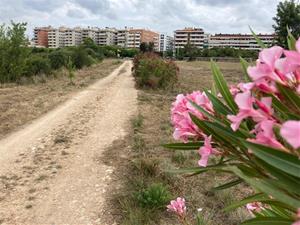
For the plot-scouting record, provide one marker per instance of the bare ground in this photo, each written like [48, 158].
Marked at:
[53, 172]
[20, 104]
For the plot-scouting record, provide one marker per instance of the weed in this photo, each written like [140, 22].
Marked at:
[155, 196]
[147, 167]
[138, 143]
[179, 158]
[137, 122]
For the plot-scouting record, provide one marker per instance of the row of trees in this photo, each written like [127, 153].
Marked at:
[17, 60]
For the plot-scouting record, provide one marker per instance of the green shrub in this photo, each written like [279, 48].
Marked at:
[154, 197]
[58, 59]
[37, 65]
[152, 71]
[81, 58]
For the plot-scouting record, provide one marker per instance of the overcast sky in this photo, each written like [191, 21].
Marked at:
[215, 16]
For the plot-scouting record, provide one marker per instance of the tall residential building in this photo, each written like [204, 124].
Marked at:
[122, 37]
[89, 33]
[106, 36]
[166, 43]
[138, 36]
[72, 37]
[41, 36]
[192, 36]
[55, 38]
[239, 41]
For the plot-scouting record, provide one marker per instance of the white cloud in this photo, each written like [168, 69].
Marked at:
[161, 15]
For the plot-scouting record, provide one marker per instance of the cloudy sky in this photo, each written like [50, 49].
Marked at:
[214, 16]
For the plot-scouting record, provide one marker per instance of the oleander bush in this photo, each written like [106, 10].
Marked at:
[151, 71]
[252, 131]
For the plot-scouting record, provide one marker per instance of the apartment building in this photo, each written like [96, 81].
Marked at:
[106, 36]
[166, 43]
[55, 38]
[192, 36]
[41, 36]
[239, 41]
[89, 33]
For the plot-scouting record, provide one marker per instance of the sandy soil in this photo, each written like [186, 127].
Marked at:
[51, 171]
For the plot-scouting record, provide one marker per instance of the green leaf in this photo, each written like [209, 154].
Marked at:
[254, 198]
[266, 187]
[245, 66]
[184, 146]
[259, 42]
[222, 86]
[218, 106]
[290, 95]
[228, 185]
[280, 160]
[198, 170]
[268, 221]
[291, 40]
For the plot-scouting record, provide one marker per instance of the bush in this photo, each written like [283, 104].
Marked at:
[252, 130]
[81, 58]
[153, 197]
[58, 59]
[152, 71]
[37, 65]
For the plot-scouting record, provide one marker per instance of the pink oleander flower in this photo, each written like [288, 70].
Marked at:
[290, 131]
[205, 151]
[265, 134]
[292, 60]
[265, 69]
[245, 103]
[255, 207]
[298, 218]
[181, 120]
[234, 90]
[178, 206]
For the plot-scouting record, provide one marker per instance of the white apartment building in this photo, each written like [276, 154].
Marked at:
[55, 38]
[165, 43]
[134, 39]
[89, 33]
[106, 36]
[122, 37]
[239, 41]
[72, 37]
[192, 36]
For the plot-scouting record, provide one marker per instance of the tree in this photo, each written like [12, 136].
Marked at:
[13, 51]
[288, 16]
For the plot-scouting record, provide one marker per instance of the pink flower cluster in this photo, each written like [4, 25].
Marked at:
[275, 65]
[178, 206]
[185, 129]
[255, 207]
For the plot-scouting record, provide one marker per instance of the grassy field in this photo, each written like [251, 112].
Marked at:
[32, 97]
[148, 163]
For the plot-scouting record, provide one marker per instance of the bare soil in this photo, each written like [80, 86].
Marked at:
[21, 103]
[53, 170]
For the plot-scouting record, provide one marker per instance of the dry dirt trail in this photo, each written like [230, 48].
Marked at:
[50, 172]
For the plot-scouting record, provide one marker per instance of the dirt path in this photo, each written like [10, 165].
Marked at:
[50, 171]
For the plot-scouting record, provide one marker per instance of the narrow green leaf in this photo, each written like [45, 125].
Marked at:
[222, 86]
[254, 198]
[259, 42]
[291, 40]
[198, 170]
[268, 221]
[228, 185]
[265, 186]
[245, 66]
[218, 106]
[184, 146]
[280, 160]
[290, 95]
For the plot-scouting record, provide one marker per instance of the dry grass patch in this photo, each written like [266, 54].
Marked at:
[150, 162]
[22, 103]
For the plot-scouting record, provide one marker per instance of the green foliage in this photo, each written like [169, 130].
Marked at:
[152, 71]
[147, 47]
[272, 173]
[13, 51]
[36, 65]
[58, 59]
[71, 70]
[154, 197]
[288, 15]
[81, 58]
